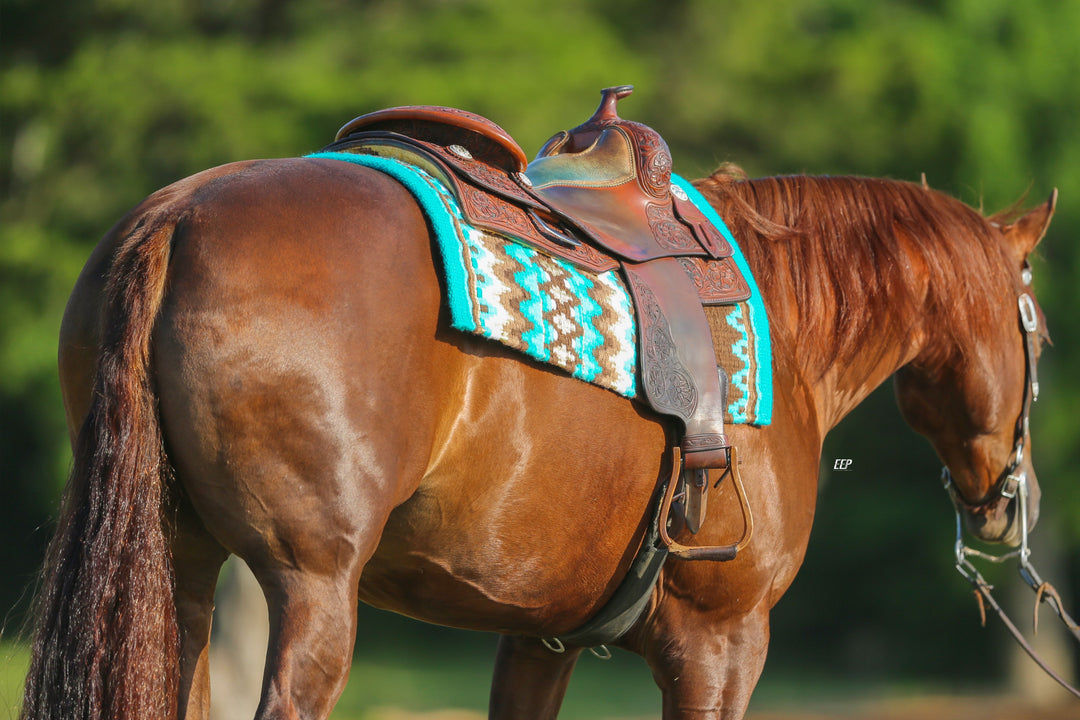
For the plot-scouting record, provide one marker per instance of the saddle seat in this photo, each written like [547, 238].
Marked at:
[601, 197]
[612, 178]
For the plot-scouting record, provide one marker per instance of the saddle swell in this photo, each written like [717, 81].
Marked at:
[599, 196]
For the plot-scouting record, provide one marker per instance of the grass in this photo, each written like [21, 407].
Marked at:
[619, 687]
[394, 681]
[14, 659]
[415, 682]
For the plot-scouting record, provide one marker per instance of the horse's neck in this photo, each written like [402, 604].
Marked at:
[837, 387]
[850, 380]
[844, 333]
[857, 276]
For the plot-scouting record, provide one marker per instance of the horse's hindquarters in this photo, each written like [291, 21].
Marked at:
[297, 371]
[302, 307]
[308, 388]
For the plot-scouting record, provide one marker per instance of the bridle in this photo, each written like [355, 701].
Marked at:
[1012, 485]
[1009, 480]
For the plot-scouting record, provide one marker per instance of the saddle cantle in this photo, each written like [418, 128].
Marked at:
[480, 163]
[599, 196]
[445, 126]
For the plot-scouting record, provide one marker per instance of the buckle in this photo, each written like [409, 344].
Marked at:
[1028, 317]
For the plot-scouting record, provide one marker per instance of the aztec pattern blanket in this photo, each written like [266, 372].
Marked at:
[580, 322]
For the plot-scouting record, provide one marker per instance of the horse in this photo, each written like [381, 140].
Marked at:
[256, 361]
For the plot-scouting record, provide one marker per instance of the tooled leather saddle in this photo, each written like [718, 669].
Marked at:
[599, 196]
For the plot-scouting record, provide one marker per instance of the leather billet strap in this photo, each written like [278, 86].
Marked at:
[632, 596]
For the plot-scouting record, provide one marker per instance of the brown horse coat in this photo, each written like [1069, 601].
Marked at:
[263, 360]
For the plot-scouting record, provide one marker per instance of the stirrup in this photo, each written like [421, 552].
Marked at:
[706, 552]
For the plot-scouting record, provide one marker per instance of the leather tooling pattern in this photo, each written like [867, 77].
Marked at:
[666, 380]
[715, 281]
[670, 234]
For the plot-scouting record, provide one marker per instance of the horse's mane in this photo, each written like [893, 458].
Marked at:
[861, 255]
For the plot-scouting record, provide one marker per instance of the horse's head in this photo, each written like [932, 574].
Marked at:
[970, 388]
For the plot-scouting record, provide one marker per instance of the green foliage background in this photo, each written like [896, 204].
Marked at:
[104, 101]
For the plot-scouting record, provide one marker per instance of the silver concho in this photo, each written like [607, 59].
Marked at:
[459, 151]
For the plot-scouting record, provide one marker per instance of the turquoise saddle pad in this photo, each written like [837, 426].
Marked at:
[556, 313]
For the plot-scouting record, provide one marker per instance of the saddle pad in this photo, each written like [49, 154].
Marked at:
[580, 322]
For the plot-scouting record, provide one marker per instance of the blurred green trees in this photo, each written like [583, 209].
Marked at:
[103, 102]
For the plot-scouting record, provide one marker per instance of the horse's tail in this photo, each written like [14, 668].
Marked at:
[106, 643]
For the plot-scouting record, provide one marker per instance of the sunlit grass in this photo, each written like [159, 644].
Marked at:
[619, 687]
[399, 683]
[406, 684]
[423, 687]
[14, 659]
[410, 682]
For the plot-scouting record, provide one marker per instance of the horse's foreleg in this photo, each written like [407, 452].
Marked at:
[704, 668]
[530, 680]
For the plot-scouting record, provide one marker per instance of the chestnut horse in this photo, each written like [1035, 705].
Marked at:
[257, 361]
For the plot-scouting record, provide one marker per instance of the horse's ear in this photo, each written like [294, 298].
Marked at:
[1024, 234]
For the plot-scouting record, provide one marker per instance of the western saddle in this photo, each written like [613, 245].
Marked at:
[599, 196]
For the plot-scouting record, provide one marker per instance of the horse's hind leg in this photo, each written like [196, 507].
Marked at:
[312, 631]
[306, 538]
[305, 511]
[197, 560]
[308, 565]
[297, 411]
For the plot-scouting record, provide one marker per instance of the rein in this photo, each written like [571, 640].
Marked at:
[1013, 485]
[1044, 591]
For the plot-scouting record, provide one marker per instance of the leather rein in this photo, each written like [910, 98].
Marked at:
[1012, 484]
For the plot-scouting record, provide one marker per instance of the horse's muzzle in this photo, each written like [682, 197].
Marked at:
[999, 521]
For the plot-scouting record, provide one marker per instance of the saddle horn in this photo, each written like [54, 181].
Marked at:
[583, 136]
[609, 97]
